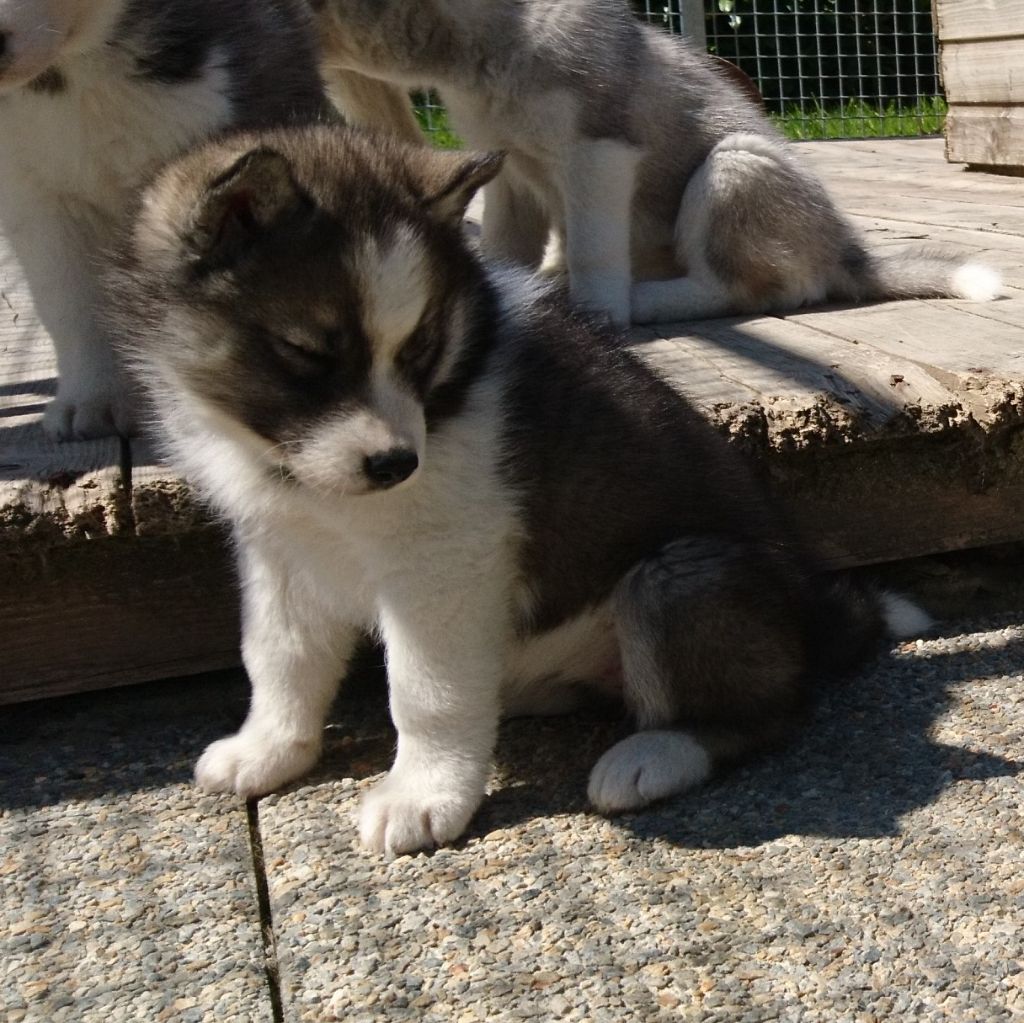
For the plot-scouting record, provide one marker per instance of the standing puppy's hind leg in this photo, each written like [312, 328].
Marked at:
[514, 227]
[713, 658]
[600, 178]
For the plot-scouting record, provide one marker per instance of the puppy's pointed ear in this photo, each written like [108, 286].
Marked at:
[240, 204]
[450, 180]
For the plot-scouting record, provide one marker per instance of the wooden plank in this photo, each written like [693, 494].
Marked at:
[864, 178]
[777, 385]
[990, 136]
[1007, 310]
[115, 611]
[985, 366]
[885, 152]
[958, 20]
[876, 455]
[894, 430]
[987, 71]
[908, 499]
[987, 218]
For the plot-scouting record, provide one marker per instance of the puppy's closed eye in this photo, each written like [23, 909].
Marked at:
[298, 352]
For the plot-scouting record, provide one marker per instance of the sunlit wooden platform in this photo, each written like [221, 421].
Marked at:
[895, 430]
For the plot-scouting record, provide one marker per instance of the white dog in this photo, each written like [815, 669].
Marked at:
[94, 95]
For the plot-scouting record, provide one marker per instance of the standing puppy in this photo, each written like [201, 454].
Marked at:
[667, 191]
[409, 443]
[94, 94]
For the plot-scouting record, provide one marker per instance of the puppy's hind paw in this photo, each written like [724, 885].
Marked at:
[645, 767]
[253, 764]
[396, 818]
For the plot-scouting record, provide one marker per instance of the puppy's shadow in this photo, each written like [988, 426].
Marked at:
[866, 759]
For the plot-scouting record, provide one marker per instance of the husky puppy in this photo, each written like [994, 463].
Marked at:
[410, 443]
[668, 193]
[94, 94]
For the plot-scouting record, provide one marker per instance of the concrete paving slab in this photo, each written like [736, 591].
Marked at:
[869, 872]
[125, 894]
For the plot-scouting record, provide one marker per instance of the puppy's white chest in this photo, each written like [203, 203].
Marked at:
[92, 139]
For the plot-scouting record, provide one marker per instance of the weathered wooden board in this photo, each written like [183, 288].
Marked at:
[976, 357]
[113, 612]
[988, 136]
[777, 385]
[984, 71]
[959, 20]
[986, 218]
[909, 177]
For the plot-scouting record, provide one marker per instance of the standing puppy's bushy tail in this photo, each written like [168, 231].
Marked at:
[851, 621]
[931, 273]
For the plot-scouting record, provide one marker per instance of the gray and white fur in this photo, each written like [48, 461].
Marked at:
[409, 443]
[94, 95]
[657, 184]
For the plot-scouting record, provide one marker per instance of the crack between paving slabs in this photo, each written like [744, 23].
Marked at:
[271, 968]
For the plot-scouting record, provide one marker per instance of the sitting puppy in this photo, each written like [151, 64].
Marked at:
[94, 95]
[409, 443]
[667, 191]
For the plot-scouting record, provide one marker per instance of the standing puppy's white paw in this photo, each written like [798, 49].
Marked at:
[82, 413]
[602, 293]
[253, 763]
[645, 767]
[400, 815]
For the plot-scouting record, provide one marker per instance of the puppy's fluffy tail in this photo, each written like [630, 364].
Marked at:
[932, 273]
[851, 622]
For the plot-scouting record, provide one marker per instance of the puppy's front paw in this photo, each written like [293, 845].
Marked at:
[72, 416]
[253, 763]
[402, 816]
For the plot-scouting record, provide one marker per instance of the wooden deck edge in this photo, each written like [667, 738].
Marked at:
[116, 610]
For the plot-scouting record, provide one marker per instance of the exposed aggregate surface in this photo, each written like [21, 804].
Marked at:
[871, 871]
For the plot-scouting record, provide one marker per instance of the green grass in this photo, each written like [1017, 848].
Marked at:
[854, 119]
[857, 119]
[434, 121]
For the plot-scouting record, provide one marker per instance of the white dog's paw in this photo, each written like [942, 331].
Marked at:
[253, 763]
[101, 412]
[645, 767]
[396, 817]
[603, 293]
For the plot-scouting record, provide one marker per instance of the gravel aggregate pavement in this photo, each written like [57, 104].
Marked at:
[870, 872]
[126, 896]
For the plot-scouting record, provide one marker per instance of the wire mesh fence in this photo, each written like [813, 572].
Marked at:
[825, 68]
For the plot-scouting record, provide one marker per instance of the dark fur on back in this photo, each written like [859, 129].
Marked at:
[268, 47]
[615, 467]
[595, 436]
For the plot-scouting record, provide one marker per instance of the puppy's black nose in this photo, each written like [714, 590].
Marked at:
[390, 467]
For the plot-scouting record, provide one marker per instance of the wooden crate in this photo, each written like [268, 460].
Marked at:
[982, 44]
